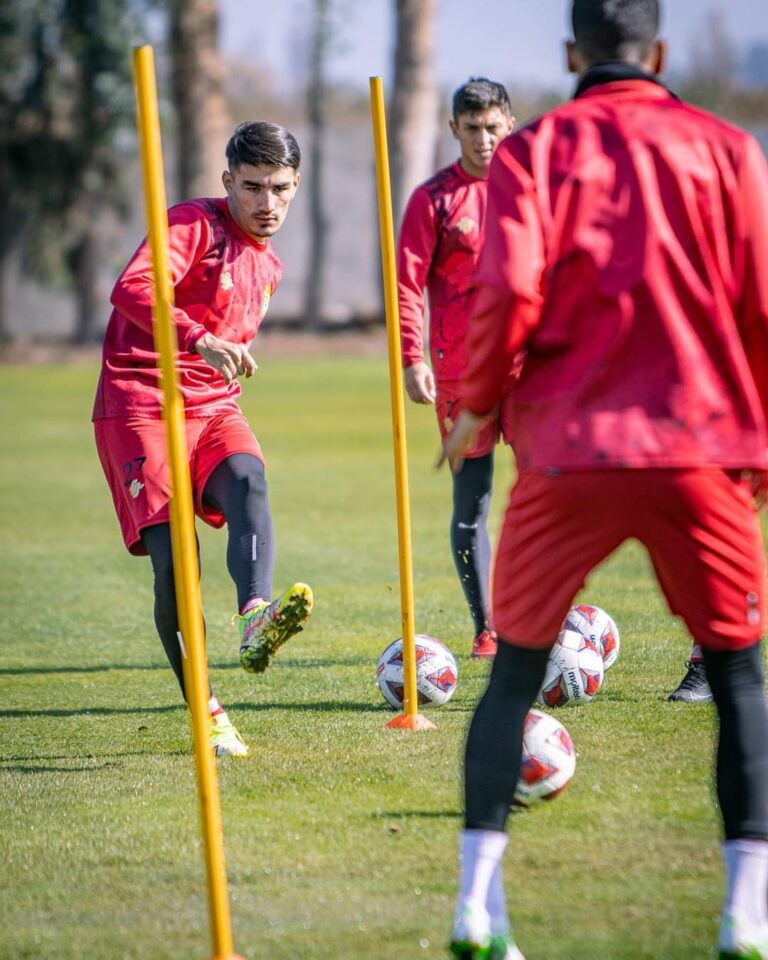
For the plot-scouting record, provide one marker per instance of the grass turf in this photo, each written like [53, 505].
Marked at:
[340, 834]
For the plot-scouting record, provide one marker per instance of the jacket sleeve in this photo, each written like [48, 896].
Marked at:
[189, 237]
[415, 252]
[753, 309]
[508, 299]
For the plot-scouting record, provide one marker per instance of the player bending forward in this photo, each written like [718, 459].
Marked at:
[224, 273]
[626, 250]
[439, 245]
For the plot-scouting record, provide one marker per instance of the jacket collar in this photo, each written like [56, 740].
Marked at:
[610, 72]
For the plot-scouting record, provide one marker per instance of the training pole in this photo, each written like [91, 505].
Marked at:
[410, 719]
[183, 540]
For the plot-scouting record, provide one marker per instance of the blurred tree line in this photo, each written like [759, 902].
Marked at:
[67, 127]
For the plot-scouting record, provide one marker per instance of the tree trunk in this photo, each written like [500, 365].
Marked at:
[199, 92]
[84, 260]
[414, 109]
[314, 289]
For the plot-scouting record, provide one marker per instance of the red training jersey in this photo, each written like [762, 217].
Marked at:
[223, 280]
[440, 240]
[626, 250]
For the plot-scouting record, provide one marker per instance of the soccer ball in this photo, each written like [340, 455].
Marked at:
[549, 760]
[597, 625]
[436, 672]
[574, 671]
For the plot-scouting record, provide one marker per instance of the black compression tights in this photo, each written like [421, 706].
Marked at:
[495, 740]
[736, 680]
[238, 488]
[469, 534]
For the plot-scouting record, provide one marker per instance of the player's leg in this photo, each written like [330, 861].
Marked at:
[549, 543]
[225, 739]
[237, 487]
[707, 549]
[693, 688]
[471, 546]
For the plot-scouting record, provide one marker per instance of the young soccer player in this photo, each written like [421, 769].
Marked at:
[439, 244]
[626, 243]
[224, 273]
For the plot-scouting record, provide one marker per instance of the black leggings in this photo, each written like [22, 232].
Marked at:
[494, 744]
[470, 545]
[238, 488]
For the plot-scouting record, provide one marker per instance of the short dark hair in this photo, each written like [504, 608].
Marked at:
[480, 93]
[260, 143]
[615, 29]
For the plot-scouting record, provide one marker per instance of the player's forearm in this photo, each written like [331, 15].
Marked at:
[134, 298]
[500, 325]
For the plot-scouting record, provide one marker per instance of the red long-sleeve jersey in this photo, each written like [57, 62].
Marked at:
[626, 250]
[223, 280]
[439, 245]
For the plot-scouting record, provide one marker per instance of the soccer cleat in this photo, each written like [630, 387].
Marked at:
[484, 646]
[471, 937]
[504, 948]
[693, 687]
[225, 740]
[739, 943]
[266, 628]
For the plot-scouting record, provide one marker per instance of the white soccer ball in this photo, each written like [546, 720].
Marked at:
[574, 671]
[549, 760]
[597, 625]
[436, 672]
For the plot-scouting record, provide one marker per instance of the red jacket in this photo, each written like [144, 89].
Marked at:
[222, 279]
[627, 251]
[440, 240]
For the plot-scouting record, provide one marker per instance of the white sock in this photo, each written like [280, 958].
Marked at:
[481, 852]
[214, 706]
[496, 903]
[746, 869]
[696, 655]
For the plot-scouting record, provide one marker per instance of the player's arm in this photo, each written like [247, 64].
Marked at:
[415, 250]
[509, 301]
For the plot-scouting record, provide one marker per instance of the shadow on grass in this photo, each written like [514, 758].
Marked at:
[407, 814]
[86, 711]
[286, 662]
[312, 706]
[23, 764]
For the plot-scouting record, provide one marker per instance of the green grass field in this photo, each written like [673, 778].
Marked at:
[340, 834]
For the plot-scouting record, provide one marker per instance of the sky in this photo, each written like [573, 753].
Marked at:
[508, 40]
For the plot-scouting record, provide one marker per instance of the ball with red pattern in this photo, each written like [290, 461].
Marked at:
[548, 762]
[436, 672]
[599, 626]
[574, 671]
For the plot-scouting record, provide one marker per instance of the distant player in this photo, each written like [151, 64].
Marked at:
[626, 251]
[439, 245]
[224, 273]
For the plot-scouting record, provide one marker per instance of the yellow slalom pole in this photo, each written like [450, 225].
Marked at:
[182, 516]
[410, 719]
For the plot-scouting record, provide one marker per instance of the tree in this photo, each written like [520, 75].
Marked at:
[414, 106]
[199, 94]
[314, 286]
[69, 93]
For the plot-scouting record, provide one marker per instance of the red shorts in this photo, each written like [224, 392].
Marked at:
[133, 454]
[448, 405]
[699, 526]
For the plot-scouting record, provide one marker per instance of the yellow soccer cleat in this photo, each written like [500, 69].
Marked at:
[267, 627]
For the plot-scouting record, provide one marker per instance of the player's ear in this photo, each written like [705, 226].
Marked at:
[658, 58]
[573, 58]
[226, 179]
[454, 129]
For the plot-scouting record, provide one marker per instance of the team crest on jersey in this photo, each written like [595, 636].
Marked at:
[466, 225]
[226, 281]
[265, 300]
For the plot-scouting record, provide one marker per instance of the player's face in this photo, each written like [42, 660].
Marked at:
[259, 197]
[479, 134]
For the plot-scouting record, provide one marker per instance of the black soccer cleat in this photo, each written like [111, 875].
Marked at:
[693, 687]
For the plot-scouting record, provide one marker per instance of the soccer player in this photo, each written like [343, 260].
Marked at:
[224, 273]
[626, 243]
[438, 248]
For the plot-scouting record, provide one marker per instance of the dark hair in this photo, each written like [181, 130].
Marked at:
[479, 93]
[615, 29]
[260, 143]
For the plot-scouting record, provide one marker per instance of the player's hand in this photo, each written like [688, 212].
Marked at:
[420, 383]
[459, 440]
[232, 360]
